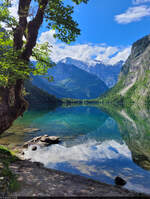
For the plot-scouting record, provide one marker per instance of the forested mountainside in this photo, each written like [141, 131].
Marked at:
[134, 80]
[39, 99]
[71, 82]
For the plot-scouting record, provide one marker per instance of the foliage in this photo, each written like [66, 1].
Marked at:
[12, 68]
[112, 96]
[5, 17]
[137, 65]
[137, 94]
[10, 179]
[16, 52]
[59, 18]
[39, 99]
[148, 101]
[9, 70]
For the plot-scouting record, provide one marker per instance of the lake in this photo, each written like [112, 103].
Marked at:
[96, 144]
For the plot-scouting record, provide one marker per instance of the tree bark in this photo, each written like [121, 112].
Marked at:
[32, 29]
[12, 103]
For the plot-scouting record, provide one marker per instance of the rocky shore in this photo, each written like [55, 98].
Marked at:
[35, 180]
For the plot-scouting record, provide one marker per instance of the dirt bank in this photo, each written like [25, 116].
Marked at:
[35, 180]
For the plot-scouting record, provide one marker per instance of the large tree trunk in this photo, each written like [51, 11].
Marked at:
[12, 105]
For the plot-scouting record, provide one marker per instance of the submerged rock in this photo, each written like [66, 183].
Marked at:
[26, 144]
[34, 148]
[44, 140]
[120, 181]
[30, 130]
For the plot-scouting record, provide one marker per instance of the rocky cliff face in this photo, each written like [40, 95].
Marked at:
[134, 80]
[135, 74]
[137, 66]
[133, 93]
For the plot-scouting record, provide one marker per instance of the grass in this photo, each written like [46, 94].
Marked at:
[9, 180]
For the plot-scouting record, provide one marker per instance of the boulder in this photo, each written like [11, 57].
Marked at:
[120, 181]
[44, 140]
[36, 139]
[50, 139]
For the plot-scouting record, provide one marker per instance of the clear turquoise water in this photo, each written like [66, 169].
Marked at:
[92, 145]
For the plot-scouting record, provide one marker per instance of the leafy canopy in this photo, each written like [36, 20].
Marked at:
[12, 67]
[58, 16]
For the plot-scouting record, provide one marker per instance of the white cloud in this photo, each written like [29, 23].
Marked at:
[84, 52]
[14, 8]
[13, 12]
[136, 2]
[133, 14]
[79, 155]
[48, 37]
[122, 55]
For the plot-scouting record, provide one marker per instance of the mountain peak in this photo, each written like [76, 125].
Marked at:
[69, 60]
[93, 63]
[71, 82]
[107, 73]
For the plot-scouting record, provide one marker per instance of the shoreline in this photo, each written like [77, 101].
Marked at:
[36, 180]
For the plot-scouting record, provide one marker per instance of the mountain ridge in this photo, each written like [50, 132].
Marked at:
[71, 82]
[107, 73]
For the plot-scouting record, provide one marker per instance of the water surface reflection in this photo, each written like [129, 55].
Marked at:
[95, 143]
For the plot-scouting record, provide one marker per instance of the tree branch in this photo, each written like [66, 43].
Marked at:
[23, 12]
[33, 28]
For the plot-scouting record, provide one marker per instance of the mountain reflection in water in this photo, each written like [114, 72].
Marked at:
[95, 143]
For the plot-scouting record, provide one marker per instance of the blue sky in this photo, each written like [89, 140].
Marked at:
[108, 29]
[98, 24]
